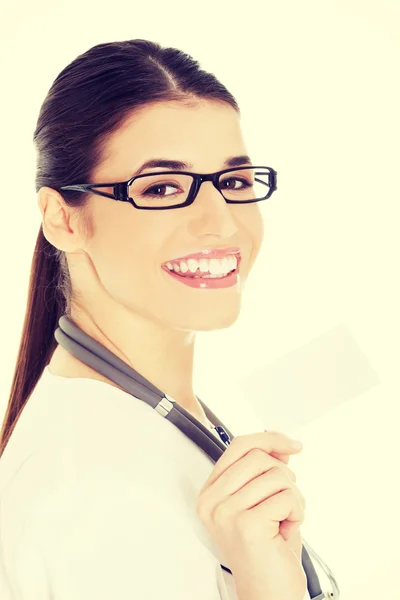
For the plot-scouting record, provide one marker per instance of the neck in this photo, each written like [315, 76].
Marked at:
[163, 356]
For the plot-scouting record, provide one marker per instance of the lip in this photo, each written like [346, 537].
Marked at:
[212, 253]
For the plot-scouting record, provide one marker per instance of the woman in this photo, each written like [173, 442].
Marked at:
[101, 498]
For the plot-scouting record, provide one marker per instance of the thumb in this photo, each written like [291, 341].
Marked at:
[280, 456]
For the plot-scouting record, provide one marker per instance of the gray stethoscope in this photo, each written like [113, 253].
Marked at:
[99, 358]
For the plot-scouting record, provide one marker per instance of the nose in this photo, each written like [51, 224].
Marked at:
[211, 214]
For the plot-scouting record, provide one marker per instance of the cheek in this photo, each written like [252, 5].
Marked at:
[252, 223]
[258, 229]
[124, 255]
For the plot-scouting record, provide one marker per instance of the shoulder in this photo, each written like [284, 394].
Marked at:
[79, 440]
[80, 433]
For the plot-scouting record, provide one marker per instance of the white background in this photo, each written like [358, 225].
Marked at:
[316, 349]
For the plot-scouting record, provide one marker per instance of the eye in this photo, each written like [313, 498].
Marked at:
[151, 190]
[244, 181]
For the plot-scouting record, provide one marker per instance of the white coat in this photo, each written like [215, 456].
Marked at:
[97, 501]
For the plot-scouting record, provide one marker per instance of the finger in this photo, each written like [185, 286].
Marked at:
[249, 496]
[271, 513]
[269, 442]
[243, 479]
[282, 457]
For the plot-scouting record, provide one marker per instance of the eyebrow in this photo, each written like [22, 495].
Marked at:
[178, 165]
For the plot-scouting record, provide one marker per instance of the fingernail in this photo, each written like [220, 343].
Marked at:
[296, 444]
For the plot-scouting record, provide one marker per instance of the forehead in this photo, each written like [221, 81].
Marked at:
[202, 134]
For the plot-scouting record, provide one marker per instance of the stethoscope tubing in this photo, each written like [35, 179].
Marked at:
[92, 353]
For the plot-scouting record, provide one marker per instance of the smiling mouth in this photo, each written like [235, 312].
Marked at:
[204, 268]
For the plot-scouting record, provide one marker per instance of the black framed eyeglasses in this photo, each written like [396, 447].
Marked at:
[251, 184]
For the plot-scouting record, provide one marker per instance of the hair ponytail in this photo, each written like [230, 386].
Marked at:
[44, 307]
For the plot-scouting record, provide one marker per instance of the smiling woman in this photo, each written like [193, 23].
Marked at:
[98, 493]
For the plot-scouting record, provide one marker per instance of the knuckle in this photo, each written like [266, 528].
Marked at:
[221, 513]
[260, 454]
[275, 470]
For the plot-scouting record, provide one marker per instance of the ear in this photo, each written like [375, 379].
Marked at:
[57, 217]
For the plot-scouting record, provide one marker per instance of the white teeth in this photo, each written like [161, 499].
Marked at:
[184, 267]
[203, 263]
[192, 265]
[212, 266]
[227, 264]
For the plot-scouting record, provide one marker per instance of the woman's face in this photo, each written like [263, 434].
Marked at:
[128, 247]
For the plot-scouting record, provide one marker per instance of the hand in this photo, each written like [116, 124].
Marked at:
[253, 510]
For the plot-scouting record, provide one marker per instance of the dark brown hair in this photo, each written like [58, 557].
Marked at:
[88, 102]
